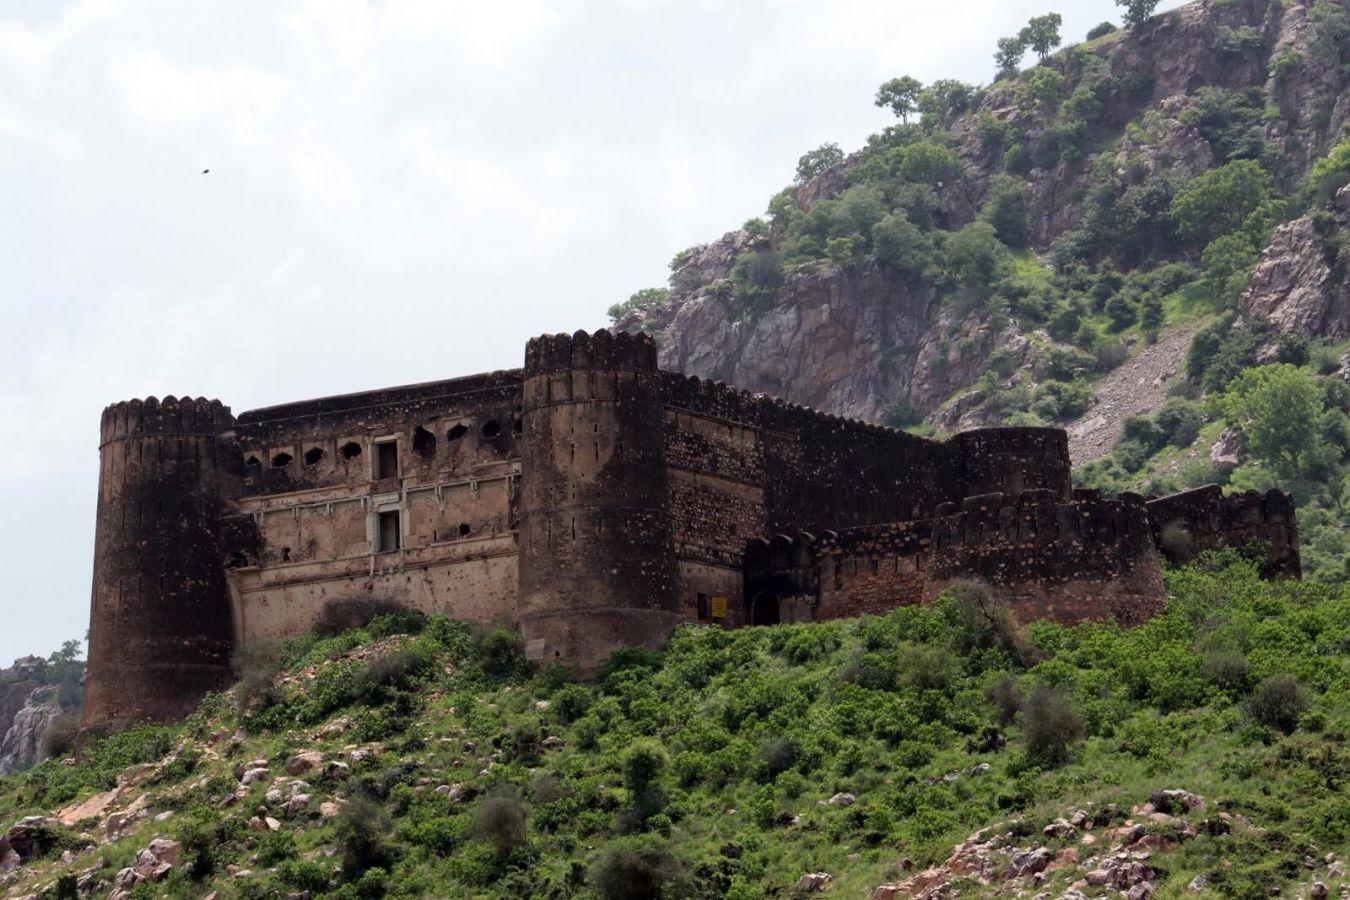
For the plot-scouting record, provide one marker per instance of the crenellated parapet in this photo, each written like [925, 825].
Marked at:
[1011, 460]
[1067, 559]
[172, 415]
[1205, 518]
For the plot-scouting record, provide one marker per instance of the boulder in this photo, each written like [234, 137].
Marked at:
[304, 762]
[813, 881]
[842, 798]
[167, 851]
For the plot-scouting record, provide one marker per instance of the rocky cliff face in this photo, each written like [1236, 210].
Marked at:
[1302, 283]
[21, 746]
[857, 341]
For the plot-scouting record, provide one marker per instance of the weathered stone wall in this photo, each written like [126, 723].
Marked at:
[591, 499]
[160, 628]
[1189, 522]
[1064, 560]
[306, 530]
[597, 551]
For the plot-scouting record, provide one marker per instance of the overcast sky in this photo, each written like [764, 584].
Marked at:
[399, 191]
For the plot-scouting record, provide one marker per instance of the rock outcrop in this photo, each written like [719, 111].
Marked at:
[858, 341]
[21, 745]
[1299, 284]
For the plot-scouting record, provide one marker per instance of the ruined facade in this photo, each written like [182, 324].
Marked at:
[590, 499]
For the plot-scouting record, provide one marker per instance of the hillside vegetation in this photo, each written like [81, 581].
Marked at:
[410, 759]
[992, 256]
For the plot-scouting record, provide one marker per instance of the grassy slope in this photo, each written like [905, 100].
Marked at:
[878, 707]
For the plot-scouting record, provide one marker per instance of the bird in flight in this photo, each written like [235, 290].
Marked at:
[206, 171]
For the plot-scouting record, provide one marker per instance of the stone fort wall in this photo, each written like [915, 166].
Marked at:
[1067, 560]
[589, 498]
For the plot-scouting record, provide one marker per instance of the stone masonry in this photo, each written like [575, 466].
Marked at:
[593, 501]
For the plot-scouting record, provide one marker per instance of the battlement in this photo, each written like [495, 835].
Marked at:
[171, 415]
[1082, 558]
[579, 350]
[1204, 518]
[990, 521]
[719, 400]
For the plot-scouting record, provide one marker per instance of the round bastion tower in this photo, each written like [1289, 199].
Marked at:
[597, 555]
[160, 632]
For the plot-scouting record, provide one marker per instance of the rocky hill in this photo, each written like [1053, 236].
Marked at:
[936, 751]
[39, 703]
[850, 335]
[1121, 229]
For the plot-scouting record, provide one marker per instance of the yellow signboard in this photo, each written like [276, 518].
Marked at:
[719, 607]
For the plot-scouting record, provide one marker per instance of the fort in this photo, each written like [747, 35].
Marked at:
[594, 502]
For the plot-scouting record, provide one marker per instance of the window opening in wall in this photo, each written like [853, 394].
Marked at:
[457, 432]
[350, 450]
[704, 608]
[285, 554]
[253, 462]
[424, 443]
[491, 428]
[313, 455]
[464, 529]
[386, 463]
[390, 536]
[281, 460]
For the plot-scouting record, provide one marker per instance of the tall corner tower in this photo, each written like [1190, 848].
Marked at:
[597, 552]
[160, 631]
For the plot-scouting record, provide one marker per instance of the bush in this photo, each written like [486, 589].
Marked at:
[1006, 210]
[636, 868]
[500, 651]
[346, 613]
[257, 669]
[361, 833]
[1179, 421]
[1102, 30]
[1176, 543]
[778, 754]
[1004, 699]
[499, 820]
[980, 620]
[571, 702]
[1228, 669]
[1277, 703]
[1050, 725]
[59, 737]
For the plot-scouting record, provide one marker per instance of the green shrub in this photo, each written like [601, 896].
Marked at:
[1050, 725]
[500, 652]
[571, 702]
[1277, 702]
[361, 831]
[1102, 30]
[499, 820]
[641, 867]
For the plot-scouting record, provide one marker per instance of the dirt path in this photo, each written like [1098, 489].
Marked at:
[1137, 387]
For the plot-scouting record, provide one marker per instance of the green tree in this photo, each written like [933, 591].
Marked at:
[899, 244]
[901, 96]
[1227, 266]
[1137, 11]
[1279, 410]
[943, 101]
[1008, 56]
[1045, 87]
[1219, 201]
[1042, 34]
[1006, 210]
[975, 259]
[814, 162]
